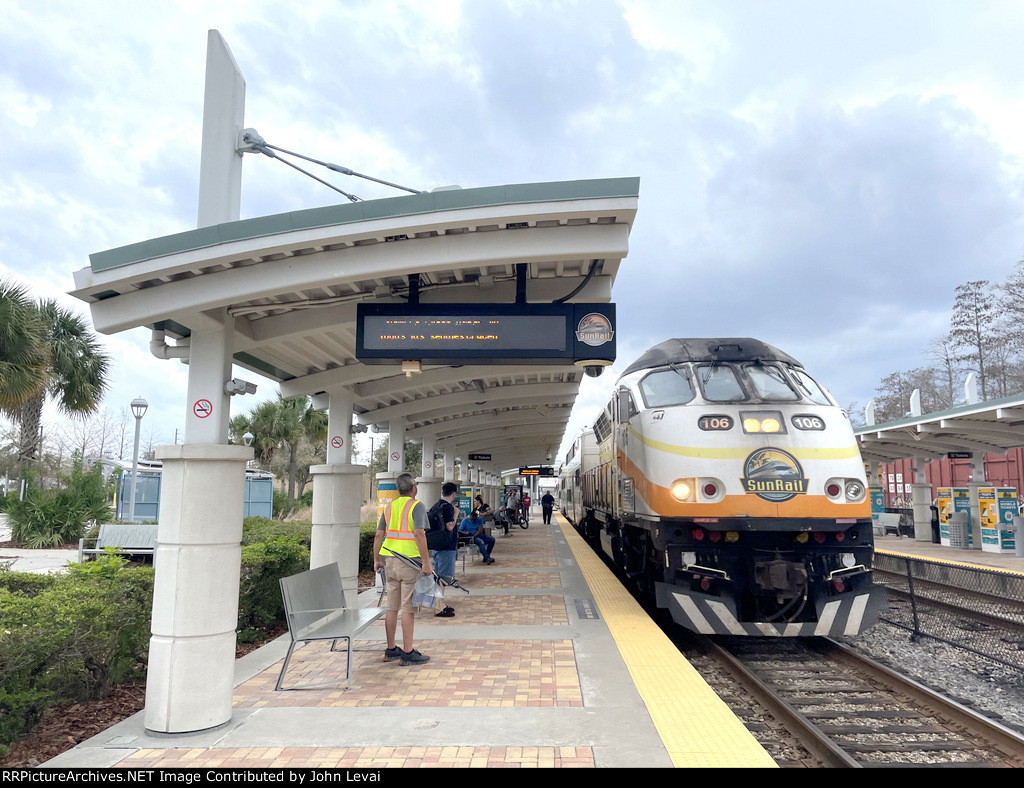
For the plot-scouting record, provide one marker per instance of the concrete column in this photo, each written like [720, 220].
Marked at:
[337, 495]
[337, 498]
[449, 464]
[195, 598]
[396, 447]
[920, 502]
[428, 468]
[209, 406]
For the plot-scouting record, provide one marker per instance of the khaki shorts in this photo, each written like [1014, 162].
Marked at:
[401, 583]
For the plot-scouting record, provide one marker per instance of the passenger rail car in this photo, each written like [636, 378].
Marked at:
[726, 483]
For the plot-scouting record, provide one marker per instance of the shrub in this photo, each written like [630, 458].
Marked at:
[48, 518]
[259, 593]
[70, 637]
[264, 529]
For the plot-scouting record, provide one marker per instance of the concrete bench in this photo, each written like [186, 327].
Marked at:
[130, 538]
[314, 606]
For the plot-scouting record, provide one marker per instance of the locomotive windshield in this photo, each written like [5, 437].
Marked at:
[667, 387]
[724, 382]
[719, 383]
[769, 383]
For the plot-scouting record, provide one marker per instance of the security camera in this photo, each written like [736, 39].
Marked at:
[239, 386]
[593, 367]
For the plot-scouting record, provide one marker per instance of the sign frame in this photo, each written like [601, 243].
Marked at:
[570, 344]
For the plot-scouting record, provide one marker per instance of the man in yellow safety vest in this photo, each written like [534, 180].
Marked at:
[402, 530]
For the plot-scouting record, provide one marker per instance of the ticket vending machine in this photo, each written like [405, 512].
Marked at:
[996, 509]
[948, 501]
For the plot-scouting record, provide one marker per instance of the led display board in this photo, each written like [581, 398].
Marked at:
[537, 471]
[485, 333]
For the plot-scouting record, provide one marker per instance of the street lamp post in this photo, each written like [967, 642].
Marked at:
[139, 407]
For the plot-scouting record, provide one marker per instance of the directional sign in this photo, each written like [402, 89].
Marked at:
[480, 457]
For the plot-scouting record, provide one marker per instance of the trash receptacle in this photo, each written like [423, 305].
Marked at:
[936, 539]
[1018, 536]
[958, 531]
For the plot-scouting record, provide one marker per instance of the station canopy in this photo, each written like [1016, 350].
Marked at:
[991, 426]
[291, 283]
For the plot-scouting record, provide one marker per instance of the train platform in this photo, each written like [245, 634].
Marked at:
[904, 545]
[547, 663]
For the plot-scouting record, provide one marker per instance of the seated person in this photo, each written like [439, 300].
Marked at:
[473, 528]
[485, 511]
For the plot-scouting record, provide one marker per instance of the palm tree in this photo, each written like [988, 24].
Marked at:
[279, 427]
[23, 355]
[75, 375]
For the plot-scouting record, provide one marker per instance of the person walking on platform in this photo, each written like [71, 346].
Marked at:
[547, 505]
[473, 527]
[402, 530]
[526, 505]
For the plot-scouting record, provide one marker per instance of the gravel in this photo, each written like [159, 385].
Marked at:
[987, 687]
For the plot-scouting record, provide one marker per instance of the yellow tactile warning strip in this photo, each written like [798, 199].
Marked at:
[948, 562]
[695, 725]
[530, 673]
[363, 758]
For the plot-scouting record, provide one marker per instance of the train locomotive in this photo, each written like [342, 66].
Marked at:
[724, 482]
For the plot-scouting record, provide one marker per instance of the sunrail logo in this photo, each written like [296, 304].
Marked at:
[773, 475]
[594, 330]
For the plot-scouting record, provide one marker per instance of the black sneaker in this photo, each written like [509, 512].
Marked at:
[413, 657]
[489, 561]
[391, 654]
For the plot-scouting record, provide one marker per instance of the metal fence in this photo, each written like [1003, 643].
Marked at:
[975, 609]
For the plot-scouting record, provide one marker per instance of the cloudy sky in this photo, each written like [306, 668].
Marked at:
[817, 175]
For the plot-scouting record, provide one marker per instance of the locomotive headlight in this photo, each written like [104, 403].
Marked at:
[689, 559]
[764, 421]
[854, 491]
[682, 490]
[848, 560]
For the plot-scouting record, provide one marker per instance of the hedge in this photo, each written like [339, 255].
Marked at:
[68, 637]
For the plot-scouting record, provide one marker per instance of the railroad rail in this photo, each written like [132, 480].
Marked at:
[851, 712]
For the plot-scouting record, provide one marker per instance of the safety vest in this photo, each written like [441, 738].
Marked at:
[398, 524]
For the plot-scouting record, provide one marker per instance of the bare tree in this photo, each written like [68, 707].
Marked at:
[972, 327]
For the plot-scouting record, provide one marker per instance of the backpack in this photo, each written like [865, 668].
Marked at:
[437, 537]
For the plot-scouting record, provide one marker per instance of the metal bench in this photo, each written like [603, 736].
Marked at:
[131, 538]
[886, 523]
[314, 606]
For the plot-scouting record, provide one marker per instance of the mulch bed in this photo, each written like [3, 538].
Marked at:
[64, 727]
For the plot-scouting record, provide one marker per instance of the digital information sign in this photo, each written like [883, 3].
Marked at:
[485, 333]
[537, 471]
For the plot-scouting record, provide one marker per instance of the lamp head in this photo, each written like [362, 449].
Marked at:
[139, 407]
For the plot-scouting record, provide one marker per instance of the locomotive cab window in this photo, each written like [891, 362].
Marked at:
[810, 389]
[769, 383]
[719, 383]
[667, 387]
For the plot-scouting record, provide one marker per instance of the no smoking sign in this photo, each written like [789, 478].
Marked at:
[337, 441]
[202, 408]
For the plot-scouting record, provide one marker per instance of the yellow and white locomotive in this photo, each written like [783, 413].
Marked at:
[724, 481]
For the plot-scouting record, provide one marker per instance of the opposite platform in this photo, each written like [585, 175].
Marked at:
[548, 662]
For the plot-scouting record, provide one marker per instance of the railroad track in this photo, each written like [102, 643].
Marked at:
[850, 712]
